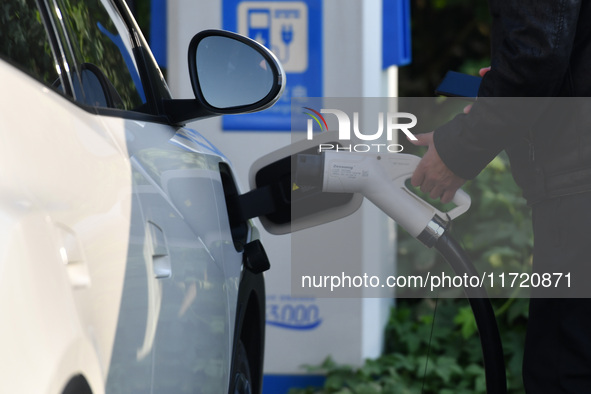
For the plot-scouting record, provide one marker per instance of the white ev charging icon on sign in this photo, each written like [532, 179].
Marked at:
[259, 25]
[280, 26]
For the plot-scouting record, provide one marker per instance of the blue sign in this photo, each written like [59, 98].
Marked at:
[158, 35]
[396, 37]
[292, 30]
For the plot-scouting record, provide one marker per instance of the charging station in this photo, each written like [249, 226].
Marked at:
[330, 48]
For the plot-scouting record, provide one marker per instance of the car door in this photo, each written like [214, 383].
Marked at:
[174, 327]
[66, 194]
[188, 327]
[129, 271]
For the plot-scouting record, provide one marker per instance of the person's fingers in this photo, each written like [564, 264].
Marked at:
[428, 183]
[483, 71]
[423, 139]
[467, 108]
[448, 195]
[426, 188]
[418, 176]
[436, 192]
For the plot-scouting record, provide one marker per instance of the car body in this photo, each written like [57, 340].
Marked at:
[121, 267]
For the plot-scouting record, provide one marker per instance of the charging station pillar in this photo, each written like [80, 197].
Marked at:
[354, 62]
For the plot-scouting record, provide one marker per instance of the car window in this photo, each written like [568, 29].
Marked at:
[24, 41]
[105, 71]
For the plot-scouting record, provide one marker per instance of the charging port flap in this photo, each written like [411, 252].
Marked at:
[287, 191]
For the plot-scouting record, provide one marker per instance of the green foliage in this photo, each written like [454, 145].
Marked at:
[424, 355]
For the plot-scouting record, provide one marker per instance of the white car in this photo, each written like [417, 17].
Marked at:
[125, 264]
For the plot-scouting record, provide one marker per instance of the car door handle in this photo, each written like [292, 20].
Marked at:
[73, 257]
[160, 257]
[160, 267]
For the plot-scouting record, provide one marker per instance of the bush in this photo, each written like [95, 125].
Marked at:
[424, 357]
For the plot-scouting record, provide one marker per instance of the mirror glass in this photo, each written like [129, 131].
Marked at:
[231, 73]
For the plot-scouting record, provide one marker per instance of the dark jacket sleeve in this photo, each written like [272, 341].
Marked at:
[531, 44]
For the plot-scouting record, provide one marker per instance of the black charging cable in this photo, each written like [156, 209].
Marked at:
[490, 339]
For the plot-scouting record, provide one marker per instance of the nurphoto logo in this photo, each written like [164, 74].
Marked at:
[391, 120]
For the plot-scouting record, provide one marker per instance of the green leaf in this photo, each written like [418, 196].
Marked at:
[465, 319]
[446, 368]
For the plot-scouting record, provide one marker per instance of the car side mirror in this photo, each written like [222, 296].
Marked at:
[230, 74]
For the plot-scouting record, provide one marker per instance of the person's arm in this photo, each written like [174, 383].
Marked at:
[531, 45]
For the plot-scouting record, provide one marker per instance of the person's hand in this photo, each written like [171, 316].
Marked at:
[483, 71]
[432, 175]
